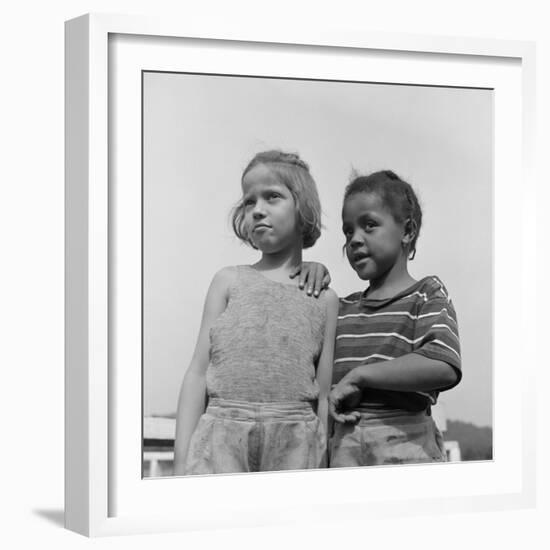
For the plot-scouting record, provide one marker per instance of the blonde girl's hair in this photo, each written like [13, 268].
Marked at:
[293, 172]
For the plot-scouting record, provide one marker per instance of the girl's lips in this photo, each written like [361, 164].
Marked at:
[260, 226]
[360, 258]
[360, 261]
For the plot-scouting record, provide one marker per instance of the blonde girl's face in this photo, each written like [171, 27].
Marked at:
[269, 211]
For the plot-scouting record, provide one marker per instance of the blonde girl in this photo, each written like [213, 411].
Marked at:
[254, 397]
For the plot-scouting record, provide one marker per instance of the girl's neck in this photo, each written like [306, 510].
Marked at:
[285, 261]
[391, 283]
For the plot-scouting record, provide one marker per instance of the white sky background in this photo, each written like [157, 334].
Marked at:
[201, 131]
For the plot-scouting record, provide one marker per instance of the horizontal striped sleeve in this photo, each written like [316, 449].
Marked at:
[436, 333]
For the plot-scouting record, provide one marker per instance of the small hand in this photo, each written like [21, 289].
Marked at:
[314, 275]
[343, 398]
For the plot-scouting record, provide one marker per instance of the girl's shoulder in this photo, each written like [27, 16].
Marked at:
[428, 289]
[432, 288]
[330, 298]
[241, 276]
[329, 294]
[226, 277]
[353, 298]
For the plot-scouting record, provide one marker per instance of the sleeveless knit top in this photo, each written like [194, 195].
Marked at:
[265, 345]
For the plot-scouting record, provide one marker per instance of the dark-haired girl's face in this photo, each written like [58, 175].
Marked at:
[374, 239]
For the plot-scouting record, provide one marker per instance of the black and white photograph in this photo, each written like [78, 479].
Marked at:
[174, 173]
[317, 274]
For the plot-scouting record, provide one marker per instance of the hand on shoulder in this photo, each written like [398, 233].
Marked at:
[314, 277]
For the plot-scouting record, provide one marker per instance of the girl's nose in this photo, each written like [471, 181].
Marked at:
[356, 239]
[259, 211]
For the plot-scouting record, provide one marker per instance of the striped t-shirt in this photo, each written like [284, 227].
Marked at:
[420, 319]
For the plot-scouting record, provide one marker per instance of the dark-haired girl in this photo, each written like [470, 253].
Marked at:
[397, 341]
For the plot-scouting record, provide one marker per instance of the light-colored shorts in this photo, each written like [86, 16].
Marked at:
[401, 439]
[237, 436]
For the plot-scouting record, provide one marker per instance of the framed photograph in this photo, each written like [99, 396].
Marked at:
[161, 120]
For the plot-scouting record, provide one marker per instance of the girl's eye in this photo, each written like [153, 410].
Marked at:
[248, 202]
[370, 225]
[273, 196]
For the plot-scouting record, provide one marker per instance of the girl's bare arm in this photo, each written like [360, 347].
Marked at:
[409, 373]
[324, 365]
[192, 398]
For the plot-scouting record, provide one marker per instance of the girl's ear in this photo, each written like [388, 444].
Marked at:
[409, 232]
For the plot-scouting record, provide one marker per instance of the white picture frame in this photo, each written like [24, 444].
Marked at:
[101, 498]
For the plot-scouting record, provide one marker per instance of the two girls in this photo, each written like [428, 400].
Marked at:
[265, 351]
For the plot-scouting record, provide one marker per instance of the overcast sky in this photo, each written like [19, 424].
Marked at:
[201, 131]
